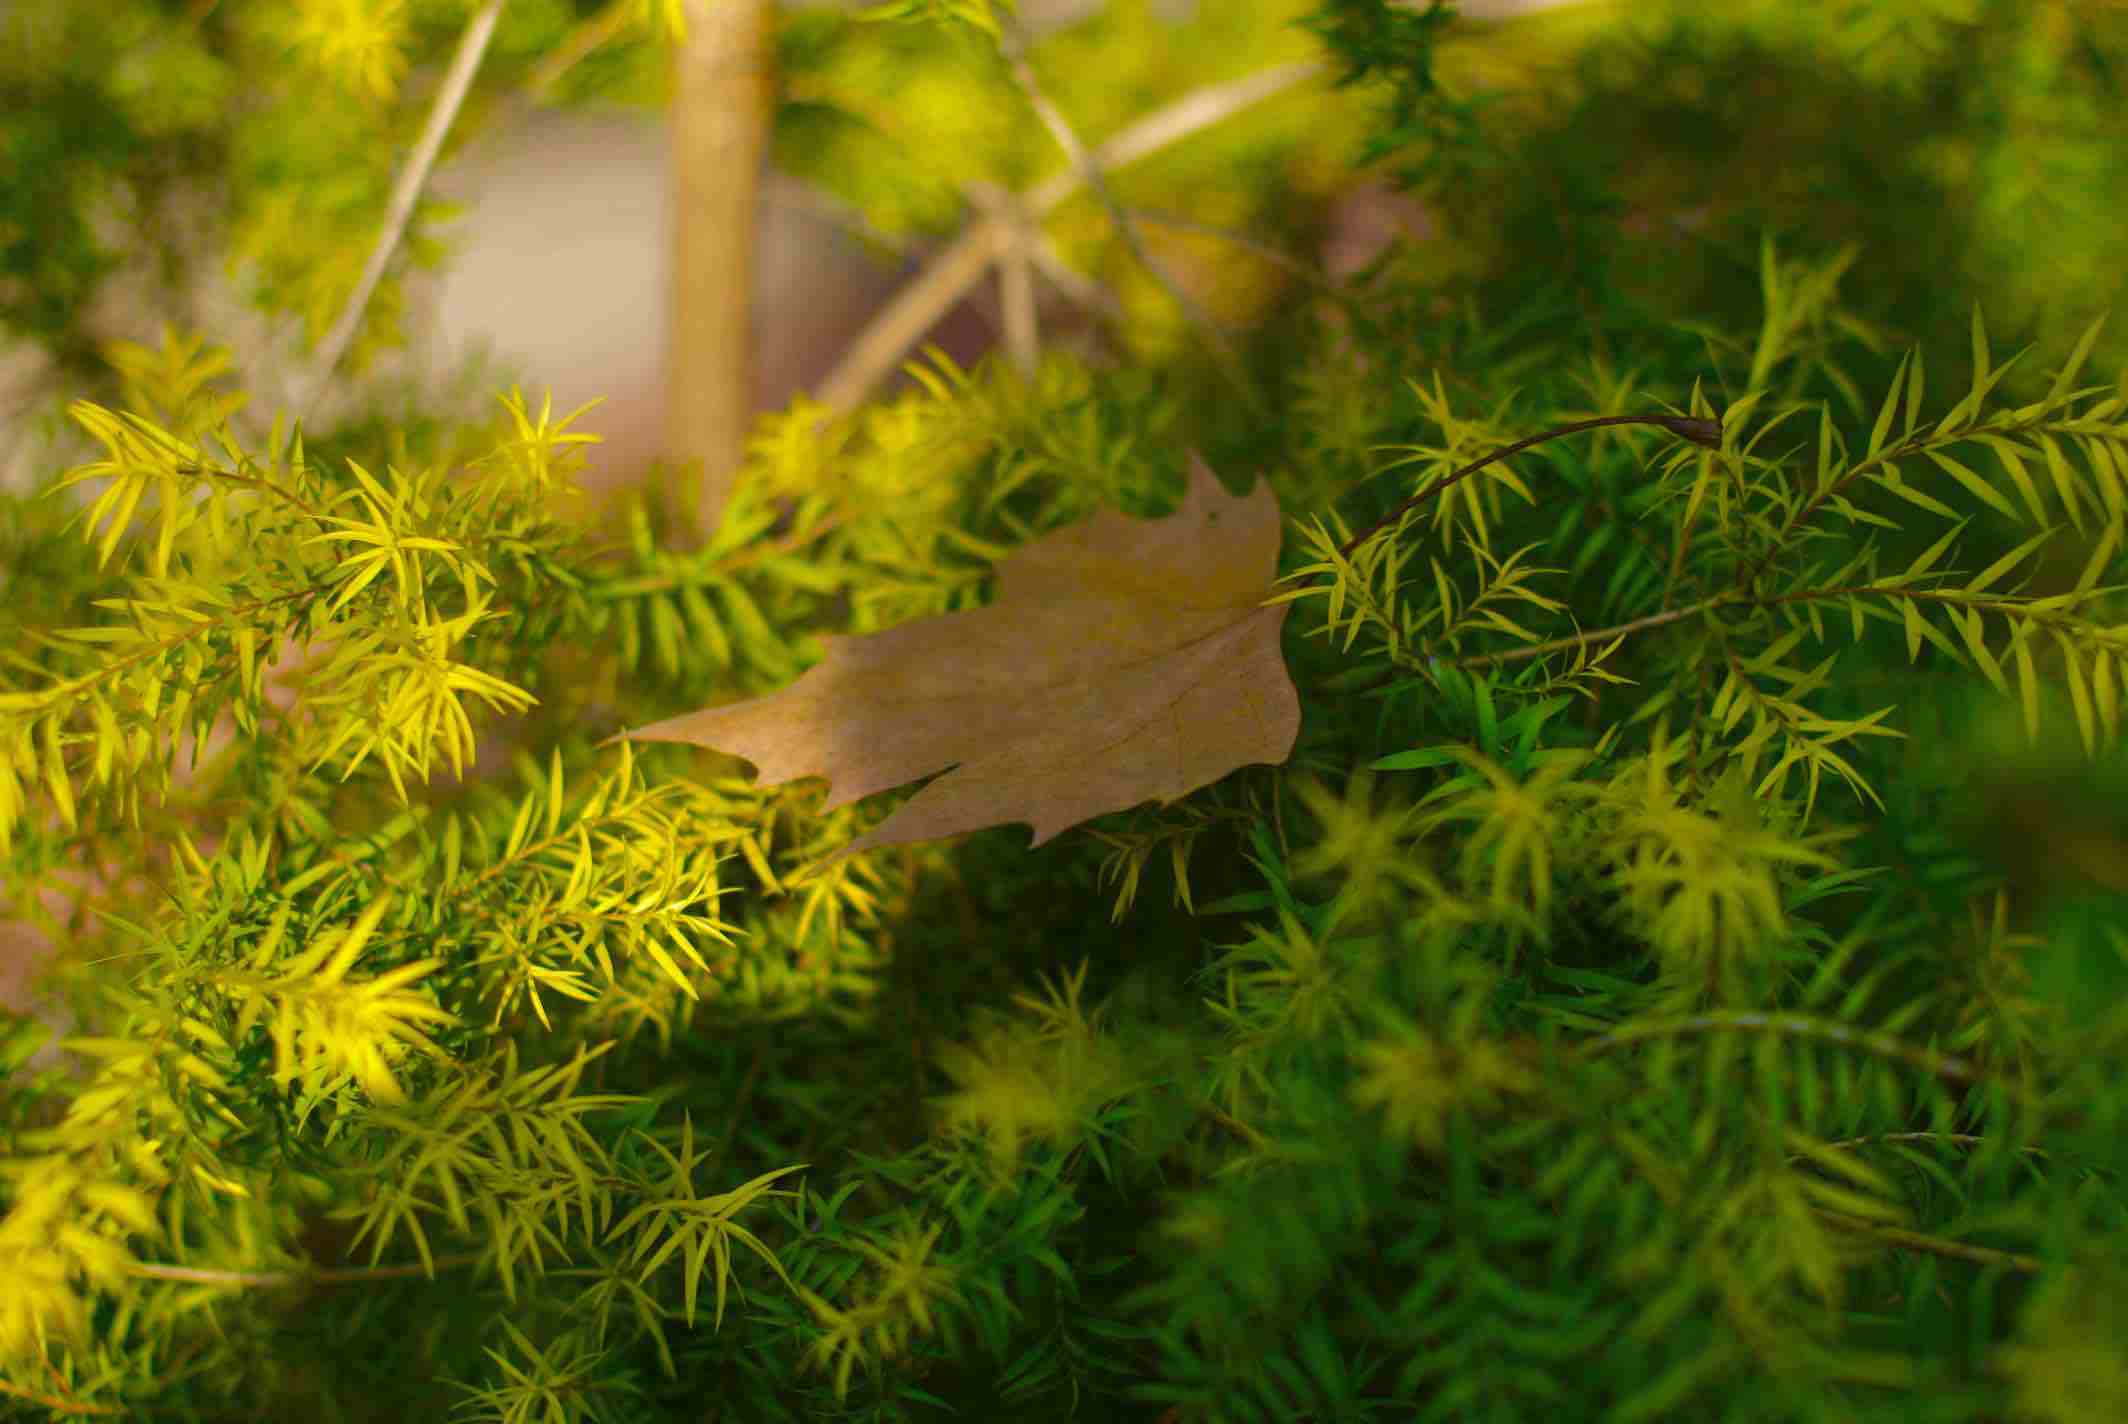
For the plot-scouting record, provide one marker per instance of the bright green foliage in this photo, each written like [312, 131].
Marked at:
[1678, 975]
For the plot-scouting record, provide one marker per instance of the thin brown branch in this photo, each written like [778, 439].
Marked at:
[1162, 128]
[1933, 1245]
[1014, 47]
[1963, 1139]
[457, 81]
[880, 348]
[1600, 635]
[1700, 430]
[1015, 276]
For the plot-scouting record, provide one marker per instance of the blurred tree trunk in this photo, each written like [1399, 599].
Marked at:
[722, 96]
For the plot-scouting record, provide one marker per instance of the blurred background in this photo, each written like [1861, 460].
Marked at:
[573, 208]
[560, 265]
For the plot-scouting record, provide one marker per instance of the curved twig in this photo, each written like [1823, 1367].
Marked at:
[457, 81]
